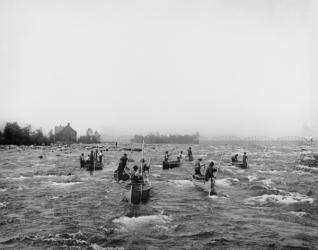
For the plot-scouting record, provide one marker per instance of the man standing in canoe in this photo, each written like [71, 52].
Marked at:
[189, 153]
[82, 160]
[121, 166]
[166, 158]
[91, 163]
[197, 167]
[209, 174]
[245, 160]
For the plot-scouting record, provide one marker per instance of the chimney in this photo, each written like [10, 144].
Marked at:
[68, 124]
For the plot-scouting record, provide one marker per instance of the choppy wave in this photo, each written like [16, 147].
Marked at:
[21, 178]
[3, 204]
[267, 182]
[97, 247]
[182, 183]
[226, 181]
[252, 178]
[298, 214]
[66, 239]
[48, 207]
[272, 171]
[306, 168]
[134, 223]
[289, 198]
[62, 184]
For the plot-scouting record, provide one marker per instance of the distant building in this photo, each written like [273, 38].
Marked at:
[58, 129]
[65, 134]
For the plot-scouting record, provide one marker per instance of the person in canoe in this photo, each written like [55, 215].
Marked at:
[135, 176]
[189, 153]
[82, 160]
[91, 163]
[121, 166]
[180, 156]
[144, 166]
[210, 174]
[234, 158]
[166, 157]
[245, 160]
[197, 167]
[100, 156]
[87, 160]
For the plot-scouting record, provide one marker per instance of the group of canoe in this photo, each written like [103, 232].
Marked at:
[206, 180]
[93, 161]
[138, 186]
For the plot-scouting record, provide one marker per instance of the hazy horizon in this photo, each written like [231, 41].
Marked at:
[240, 68]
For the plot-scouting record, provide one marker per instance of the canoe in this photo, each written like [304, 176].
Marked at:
[200, 182]
[239, 164]
[170, 164]
[132, 149]
[124, 177]
[138, 192]
[98, 166]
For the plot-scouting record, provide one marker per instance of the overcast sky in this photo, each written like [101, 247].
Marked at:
[239, 67]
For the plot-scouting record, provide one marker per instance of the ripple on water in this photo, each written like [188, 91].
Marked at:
[298, 214]
[288, 198]
[307, 169]
[126, 224]
[3, 204]
[182, 183]
[61, 184]
[226, 182]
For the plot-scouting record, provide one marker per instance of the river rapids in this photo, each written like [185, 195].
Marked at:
[48, 202]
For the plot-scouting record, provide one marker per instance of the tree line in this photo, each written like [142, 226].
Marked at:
[14, 134]
[157, 139]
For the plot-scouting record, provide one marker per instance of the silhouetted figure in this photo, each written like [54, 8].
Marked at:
[197, 167]
[121, 166]
[91, 163]
[82, 160]
[209, 174]
[245, 160]
[166, 157]
[234, 158]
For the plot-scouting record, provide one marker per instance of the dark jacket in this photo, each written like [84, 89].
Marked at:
[209, 173]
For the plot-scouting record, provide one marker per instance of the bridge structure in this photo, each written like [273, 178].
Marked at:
[264, 139]
[237, 139]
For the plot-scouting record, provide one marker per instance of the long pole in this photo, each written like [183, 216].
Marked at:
[219, 164]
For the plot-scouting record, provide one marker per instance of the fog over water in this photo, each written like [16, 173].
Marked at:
[217, 67]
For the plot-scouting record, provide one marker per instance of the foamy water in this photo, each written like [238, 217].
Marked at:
[270, 205]
[139, 223]
[282, 199]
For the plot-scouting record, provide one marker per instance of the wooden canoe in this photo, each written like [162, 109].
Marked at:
[138, 192]
[239, 164]
[170, 164]
[124, 176]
